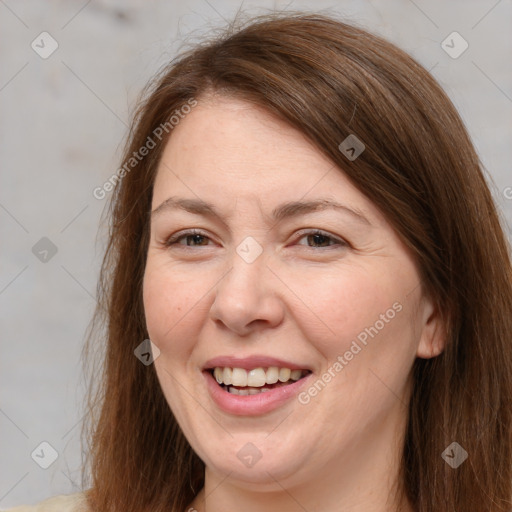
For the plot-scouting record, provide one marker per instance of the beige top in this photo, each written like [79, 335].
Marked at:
[63, 503]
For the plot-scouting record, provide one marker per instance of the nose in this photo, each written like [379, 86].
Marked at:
[246, 298]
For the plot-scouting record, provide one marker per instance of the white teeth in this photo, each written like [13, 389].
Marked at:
[272, 375]
[284, 374]
[295, 374]
[239, 377]
[257, 377]
[227, 376]
[250, 391]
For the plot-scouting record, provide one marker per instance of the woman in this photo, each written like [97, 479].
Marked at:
[307, 238]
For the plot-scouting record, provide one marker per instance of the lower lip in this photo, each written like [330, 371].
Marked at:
[252, 405]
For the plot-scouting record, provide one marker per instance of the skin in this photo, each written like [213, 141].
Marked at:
[304, 299]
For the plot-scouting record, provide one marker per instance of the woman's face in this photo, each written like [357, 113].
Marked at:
[247, 284]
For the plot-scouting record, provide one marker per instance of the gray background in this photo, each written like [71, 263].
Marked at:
[62, 120]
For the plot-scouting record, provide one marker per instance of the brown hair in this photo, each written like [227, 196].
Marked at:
[328, 80]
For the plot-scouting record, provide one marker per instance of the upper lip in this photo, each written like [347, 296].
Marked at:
[249, 363]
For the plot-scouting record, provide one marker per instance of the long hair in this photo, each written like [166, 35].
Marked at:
[329, 80]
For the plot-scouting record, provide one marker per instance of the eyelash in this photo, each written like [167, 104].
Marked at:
[174, 239]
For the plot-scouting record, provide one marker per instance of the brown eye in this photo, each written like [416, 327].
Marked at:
[192, 239]
[319, 239]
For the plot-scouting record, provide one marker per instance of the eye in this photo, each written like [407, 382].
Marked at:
[320, 239]
[195, 237]
[316, 239]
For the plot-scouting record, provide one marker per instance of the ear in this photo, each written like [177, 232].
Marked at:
[433, 333]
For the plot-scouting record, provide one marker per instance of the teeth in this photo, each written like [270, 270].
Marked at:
[295, 374]
[284, 374]
[272, 375]
[250, 391]
[239, 377]
[255, 378]
[227, 376]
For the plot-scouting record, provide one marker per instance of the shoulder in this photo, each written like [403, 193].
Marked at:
[63, 503]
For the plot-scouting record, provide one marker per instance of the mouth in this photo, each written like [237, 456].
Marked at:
[239, 381]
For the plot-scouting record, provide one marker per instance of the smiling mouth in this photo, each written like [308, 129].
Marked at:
[239, 381]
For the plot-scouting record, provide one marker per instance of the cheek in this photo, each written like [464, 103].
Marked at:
[372, 316]
[345, 305]
[173, 308]
[362, 322]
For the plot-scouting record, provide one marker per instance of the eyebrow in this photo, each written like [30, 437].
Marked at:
[281, 212]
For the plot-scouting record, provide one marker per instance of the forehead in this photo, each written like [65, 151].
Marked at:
[226, 135]
[226, 150]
